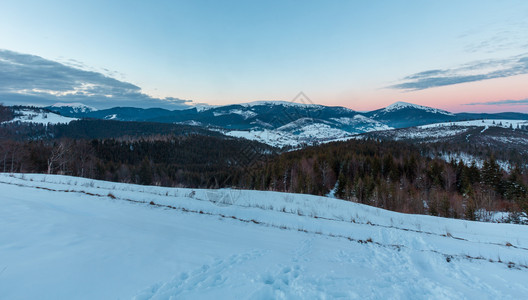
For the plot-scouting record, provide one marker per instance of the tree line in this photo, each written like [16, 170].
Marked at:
[395, 176]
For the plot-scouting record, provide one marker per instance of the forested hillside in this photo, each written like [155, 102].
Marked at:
[194, 161]
[6, 113]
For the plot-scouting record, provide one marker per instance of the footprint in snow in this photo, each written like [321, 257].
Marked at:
[205, 277]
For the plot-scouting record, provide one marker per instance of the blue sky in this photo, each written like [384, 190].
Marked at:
[359, 54]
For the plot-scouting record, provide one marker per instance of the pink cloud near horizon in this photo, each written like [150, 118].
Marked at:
[454, 98]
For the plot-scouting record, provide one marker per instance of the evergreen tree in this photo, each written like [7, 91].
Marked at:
[145, 172]
[341, 185]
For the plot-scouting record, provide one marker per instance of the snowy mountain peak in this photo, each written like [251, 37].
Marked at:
[402, 105]
[203, 107]
[76, 107]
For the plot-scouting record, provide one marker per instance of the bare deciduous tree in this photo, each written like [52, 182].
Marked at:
[59, 158]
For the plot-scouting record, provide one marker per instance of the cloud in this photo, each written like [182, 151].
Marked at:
[32, 80]
[502, 102]
[498, 35]
[471, 72]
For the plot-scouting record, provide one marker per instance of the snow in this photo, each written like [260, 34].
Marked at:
[437, 131]
[465, 158]
[321, 132]
[486, 123]
[203, 107]
[469, 159]
[191, 123]
[40, 117]
[401, 105]
[309, 131]
[246, 114]
[491, 216]
[77, 107]
[72, 238]
[299, 134]
[283, 103]
[362, 123]
[427, 133]
[271, 137]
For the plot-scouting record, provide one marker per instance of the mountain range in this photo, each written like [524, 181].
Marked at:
[285, 123]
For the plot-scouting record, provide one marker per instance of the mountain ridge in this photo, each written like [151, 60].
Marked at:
[294, 123]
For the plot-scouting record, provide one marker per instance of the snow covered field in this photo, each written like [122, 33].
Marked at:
[72, 238]
[479, 123]
[40, 117]
[307, 134]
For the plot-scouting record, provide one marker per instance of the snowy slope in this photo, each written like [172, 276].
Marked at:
[402, 105]
[362, 124]
[75, 107]
[307, 134]
[308, 131]
[434, 132]
[403, 114]
[246, 114]
[40, 117]
[73, 238]
[479, 123]
[283, 103]
[271, 137]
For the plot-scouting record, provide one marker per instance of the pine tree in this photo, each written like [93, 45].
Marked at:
[492, 175]
[341, 185]
[145, 172]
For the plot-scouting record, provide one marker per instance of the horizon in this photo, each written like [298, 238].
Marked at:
[59, 104]
[459, 57]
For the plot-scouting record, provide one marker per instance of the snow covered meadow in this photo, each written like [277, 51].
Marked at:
[40, 117]
[73, 238]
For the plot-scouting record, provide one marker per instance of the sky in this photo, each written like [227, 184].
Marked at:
[455, 55]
